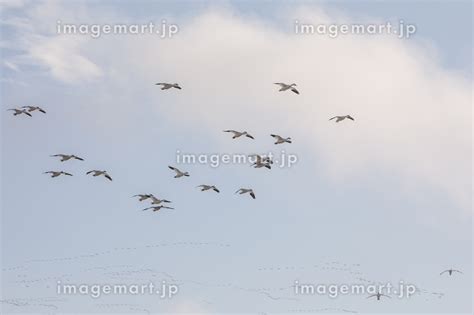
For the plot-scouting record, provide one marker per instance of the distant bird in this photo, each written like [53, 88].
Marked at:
[99, 173]
[178, 172]
[280, 140]
[156, 201]
[157, 208]
[285, 87]
[57, 173]
[378, 295]
[239, 134]
[19, 112]
[450, 272]
[143, 196]
[261, 161]
[166, 86]
[34, 108]
[246, 190]
[208, 187]
[67, 157]
[340, 118]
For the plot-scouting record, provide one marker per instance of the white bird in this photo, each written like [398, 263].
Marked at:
[143, 196]
[285, 87]
[378, 295]
[99, 173]
[157, 208]
[57, 173]
[340, 118]
[208, 187]
[67, 157]
[178, 172]
[166, 86]
[239, 134]
[261, 161]
[450, 271]
[280, 140]
[19, 112]
[156, 201]
[246, 190]
[34, 108]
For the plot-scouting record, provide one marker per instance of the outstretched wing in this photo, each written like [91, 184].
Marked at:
[295, 90]
[252, 194]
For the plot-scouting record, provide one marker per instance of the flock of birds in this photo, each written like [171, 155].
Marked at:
[260, 161]
[157, 203]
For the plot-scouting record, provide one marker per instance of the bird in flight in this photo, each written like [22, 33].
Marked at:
[57, 173]
[19, 112]
[261, 161]
[156, 201]
[280, 139]
[157, 208]
[378, 295]
[246, 190]
[67, 157]
[167, 86]
[285, 87]
[208, 187]
[450, 272]
[34, 108]
[99, 173]
[143, 196]
[178, 172]
[340, 118]
[239, 134]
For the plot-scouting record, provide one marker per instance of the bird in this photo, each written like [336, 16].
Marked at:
[208, 187]
[285, 87]
[280, 139]
[57, 173]
[340, 118]
[378, 295]
[157, 208]
[143, 196]
[166, 86]
[178, 172]
[450, 272]
[261, 161]
[34, 108]
[19, 112]
[98, 173]
[239, 134]
[156, 201]
[67, 157]
[246, 190]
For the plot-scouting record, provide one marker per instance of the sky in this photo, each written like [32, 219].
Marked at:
[382, 199]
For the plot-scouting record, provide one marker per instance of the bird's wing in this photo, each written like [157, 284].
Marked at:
[108, 176]
[280, 84]
[238, 191]
[250, 136]
[90, 172]
[215, 189]
[68, 174]
[333, 118]
[42, 110]
[443, 272]
[295, 90]
[26, 113]
[386, 296]
[371, 295]
[457, 271]
[78, 158]
[350, 117]
[252, 194]
[173, 168]
[230, 130]
[160, 83]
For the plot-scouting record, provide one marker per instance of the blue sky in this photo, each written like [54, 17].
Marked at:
[385, 198]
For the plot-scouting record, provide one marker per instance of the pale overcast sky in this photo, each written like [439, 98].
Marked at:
[382, 199]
